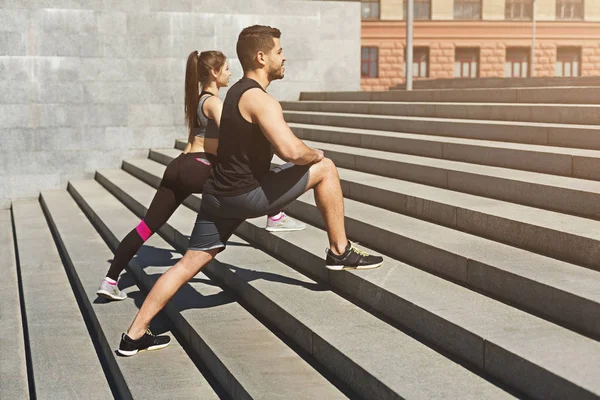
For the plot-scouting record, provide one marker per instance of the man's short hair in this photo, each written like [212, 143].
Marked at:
[254, 39]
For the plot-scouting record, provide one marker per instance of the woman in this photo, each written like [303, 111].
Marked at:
[187, 173]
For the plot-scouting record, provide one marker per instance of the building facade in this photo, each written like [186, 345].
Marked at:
[479, 38]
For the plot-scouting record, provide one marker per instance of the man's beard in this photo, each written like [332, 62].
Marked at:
[276, 74]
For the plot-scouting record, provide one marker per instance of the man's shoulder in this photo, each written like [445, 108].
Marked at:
[258, 100]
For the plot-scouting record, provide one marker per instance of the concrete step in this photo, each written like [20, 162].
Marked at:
[63, 358]
[386, 365]
[560, 236]
[247, 359]
[564, 237]
[396, 289]
[571, 95]
[556, 193]
[488, 266]
[564, 135]
[565, 161]
[582, 114]
[13, 361]
[509, 345]
[169, 374]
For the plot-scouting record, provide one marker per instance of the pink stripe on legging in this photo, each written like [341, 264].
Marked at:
[143, 230]
[203, 161]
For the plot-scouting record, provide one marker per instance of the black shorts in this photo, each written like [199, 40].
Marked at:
[220, 215]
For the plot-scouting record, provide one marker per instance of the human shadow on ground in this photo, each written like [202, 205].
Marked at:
[188, 296]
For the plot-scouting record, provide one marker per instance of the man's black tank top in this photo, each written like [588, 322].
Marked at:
[244, 153]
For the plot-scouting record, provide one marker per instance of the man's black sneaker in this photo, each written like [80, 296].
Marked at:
[129, 347]
[353, 258]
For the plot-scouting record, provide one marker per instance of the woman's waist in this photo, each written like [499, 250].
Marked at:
[209, 146]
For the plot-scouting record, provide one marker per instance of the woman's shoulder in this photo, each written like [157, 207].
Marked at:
[212, 103]
[212, 99]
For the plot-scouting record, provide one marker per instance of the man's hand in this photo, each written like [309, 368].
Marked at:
[320, 155]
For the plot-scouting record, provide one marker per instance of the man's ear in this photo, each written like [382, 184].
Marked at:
[260, 58]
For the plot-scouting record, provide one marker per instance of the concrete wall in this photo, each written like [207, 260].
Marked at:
[85, 83]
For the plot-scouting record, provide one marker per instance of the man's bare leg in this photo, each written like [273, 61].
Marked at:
[166, 287]
[325, 181]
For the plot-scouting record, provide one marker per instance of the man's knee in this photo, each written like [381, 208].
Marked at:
[330, 168]
[328, 163]
[196, 259]
[326, 166]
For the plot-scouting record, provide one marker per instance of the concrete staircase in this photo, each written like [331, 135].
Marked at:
[488, 216]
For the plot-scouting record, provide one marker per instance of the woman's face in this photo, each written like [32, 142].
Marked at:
[224, 75]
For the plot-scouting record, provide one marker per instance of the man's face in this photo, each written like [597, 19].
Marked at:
[275, 61]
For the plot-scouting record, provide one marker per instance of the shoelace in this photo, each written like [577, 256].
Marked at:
[149, 332]
[358, 251]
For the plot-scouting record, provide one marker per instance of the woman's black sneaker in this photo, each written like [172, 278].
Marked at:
[353, 258]
[129, 347]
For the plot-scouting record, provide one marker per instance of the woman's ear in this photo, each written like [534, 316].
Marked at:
[214, 73]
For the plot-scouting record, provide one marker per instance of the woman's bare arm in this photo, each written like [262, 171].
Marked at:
[213, 107]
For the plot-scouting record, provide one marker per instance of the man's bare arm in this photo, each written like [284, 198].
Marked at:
[268, 114]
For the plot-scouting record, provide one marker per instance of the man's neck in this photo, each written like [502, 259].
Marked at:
[259, 77]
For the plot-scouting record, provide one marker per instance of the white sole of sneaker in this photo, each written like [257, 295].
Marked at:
[283, 229]
[107, 295]
[134, 352]
[346, 268]
[127, 353]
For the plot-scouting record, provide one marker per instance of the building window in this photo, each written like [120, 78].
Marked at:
[517, 63]
[420, 62]
[370, 9]
[369, 61]
[467, 9]
[568, 61]
[422, 9]
[466, 63]
[569, 9]
[519, 9]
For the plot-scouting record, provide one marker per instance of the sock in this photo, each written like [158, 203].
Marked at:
[277, 216]
[111, 281]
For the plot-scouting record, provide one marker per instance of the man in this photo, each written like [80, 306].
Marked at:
[242, 186]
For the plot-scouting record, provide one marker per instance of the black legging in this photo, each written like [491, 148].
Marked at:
[184, 175]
